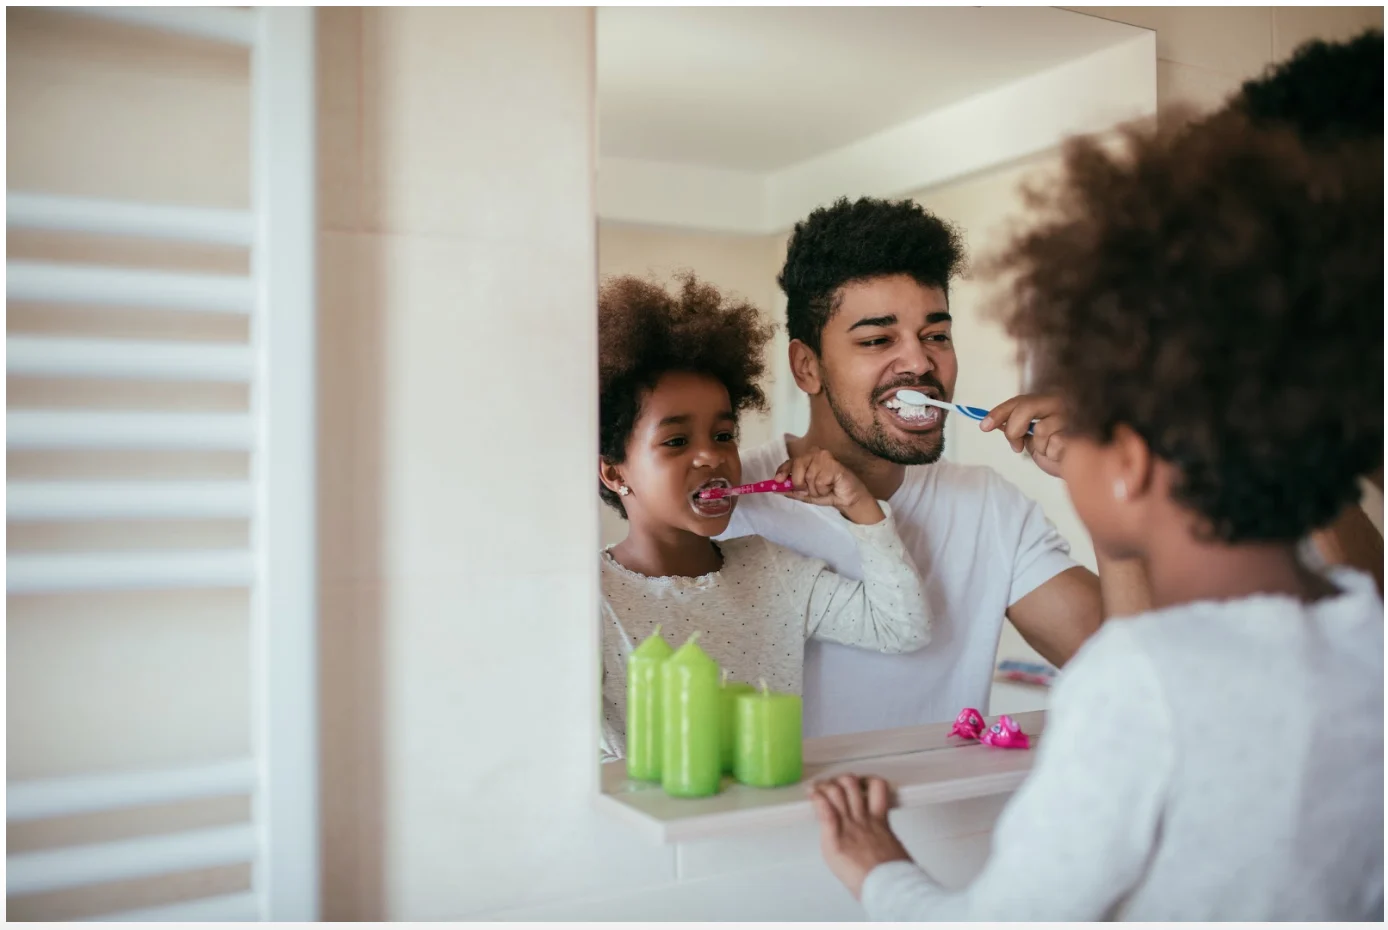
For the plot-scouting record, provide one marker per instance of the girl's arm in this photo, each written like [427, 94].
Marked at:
[886, 611]
[1078, 834]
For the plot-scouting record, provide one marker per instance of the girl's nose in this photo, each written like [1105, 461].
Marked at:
[708, 457]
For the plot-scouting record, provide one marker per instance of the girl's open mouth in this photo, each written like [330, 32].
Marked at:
[718, 508]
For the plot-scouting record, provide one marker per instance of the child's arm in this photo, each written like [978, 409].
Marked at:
[1073, 841]
[886, 611]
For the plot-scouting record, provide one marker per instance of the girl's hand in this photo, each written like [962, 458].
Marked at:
[821, 479]
[1047, 441]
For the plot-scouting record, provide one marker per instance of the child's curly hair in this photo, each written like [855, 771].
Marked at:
[860, 239]
[1220, 292]
[645, 332]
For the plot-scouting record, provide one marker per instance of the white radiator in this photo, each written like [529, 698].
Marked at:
[278, 566]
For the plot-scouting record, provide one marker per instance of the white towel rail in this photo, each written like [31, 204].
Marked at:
[86, 794]
[64, 429]
[76, 866]
[243, 906]
[50, 357]
[60, 572]
[52, 282]
[43, 501]
[220, 24]
[138, 220]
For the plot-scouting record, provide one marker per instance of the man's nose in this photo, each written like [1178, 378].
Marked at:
[913, 359]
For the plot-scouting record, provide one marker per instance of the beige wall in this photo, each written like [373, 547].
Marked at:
[456, 267]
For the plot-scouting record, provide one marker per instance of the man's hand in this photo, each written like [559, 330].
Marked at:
[1047, 442]
[821, 479]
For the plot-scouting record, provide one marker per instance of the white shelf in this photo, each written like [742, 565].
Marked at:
[61, 572]
[85, 794]
[83, 429]
[922, 763]
[56, 501]
[53, 282]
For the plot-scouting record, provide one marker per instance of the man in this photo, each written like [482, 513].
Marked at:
[867, 288]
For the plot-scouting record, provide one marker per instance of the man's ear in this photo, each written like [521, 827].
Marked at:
[804, 367]
[609, 475]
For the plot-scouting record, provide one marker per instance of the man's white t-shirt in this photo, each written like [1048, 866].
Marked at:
[980, 545]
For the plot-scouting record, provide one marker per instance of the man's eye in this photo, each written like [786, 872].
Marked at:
[938, 337]
[879, 341]
[675, 442]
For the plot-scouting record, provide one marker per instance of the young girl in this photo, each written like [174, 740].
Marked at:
[1208, 308]
[675, 373]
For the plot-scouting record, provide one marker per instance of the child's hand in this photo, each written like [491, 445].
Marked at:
[821, 479]
[853, 832]
[1047, 441]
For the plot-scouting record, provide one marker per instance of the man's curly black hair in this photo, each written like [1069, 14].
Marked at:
[1328, 92]
[1220, 292]
[854, 241]
[645, 332]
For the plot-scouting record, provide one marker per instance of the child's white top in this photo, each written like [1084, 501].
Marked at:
[755, 613]
[1214, 761]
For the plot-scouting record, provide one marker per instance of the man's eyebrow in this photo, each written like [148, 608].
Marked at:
[940, 316]
[889, 320]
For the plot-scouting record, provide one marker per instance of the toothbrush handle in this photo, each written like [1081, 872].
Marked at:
[762, 487]
[978, 413]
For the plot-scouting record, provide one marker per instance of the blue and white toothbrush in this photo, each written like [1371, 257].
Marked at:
[923, 400]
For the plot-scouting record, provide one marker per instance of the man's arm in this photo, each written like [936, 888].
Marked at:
[1058, 616]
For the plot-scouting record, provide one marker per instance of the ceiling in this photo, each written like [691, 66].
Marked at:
[758, 89]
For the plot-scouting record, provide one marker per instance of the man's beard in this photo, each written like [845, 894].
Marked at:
[875, 439]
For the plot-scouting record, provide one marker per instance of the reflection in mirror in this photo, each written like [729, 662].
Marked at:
[919, 551]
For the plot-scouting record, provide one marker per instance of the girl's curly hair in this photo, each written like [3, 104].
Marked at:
[645, 332]
[1219, 290]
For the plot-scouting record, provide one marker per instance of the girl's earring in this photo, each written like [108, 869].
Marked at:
[1120, 490]
[624, 490]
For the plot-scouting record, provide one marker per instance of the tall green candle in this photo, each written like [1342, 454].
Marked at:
[644, 721]
[769, 750]
[728, 718]
[691, 762]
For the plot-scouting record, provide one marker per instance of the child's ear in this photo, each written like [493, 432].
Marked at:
[609, 475]
[1135, 463]
[804, 367]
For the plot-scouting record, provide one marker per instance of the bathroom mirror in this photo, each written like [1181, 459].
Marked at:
[720, 128]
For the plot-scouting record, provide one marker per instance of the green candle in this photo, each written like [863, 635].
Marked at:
[691, 762]
[768, 753]
[728, 719]
[643, 707]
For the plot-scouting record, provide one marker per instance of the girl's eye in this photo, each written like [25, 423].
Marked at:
[676, 442]
[725, 437]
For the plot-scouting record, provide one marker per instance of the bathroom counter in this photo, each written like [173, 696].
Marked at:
[923, 763]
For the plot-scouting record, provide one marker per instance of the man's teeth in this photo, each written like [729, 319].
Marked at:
[908, 411]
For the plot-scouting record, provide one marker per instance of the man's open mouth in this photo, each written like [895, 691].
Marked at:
[716, 508]
[915, 418]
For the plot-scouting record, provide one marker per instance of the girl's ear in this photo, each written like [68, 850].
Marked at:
[804, 367]
[610, 475]
[1134, 463]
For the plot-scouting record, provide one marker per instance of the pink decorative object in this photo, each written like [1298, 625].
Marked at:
[761, 487]
[969, 724]
[1006, 734]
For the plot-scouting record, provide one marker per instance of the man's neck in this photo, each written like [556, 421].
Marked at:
[881, 477]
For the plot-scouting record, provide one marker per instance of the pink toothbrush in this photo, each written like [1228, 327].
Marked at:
[761, 487]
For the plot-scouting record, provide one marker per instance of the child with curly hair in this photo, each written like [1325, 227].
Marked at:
[675, 372]
[1207, 306]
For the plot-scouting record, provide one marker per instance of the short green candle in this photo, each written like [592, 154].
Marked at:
[644, 721]
[728, 723]
[769, 749]
[691, 760]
